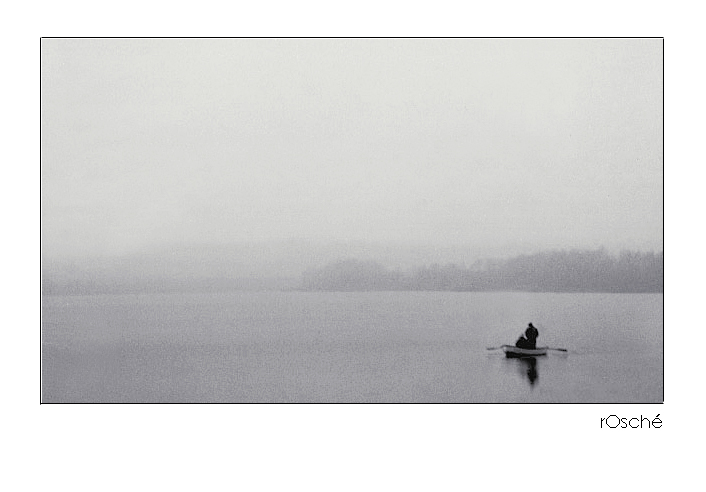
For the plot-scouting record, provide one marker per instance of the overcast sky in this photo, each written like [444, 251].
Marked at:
[554, 143]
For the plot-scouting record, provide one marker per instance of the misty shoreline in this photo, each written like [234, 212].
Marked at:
[576, 271]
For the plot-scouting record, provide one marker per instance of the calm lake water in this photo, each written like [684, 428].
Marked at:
[350, 347]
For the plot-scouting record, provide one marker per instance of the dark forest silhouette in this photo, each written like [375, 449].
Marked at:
[556, 271]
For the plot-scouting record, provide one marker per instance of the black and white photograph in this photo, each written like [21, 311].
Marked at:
[352, 220]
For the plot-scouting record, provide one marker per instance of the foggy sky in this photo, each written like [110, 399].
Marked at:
[555, 143]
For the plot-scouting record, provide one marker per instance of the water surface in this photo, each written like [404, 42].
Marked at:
[349, 347]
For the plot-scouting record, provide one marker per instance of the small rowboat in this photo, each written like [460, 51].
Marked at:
[512, 351]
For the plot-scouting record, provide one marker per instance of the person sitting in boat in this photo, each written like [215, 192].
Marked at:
[529, 339]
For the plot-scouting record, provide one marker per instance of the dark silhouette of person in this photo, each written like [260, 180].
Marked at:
[529, 339]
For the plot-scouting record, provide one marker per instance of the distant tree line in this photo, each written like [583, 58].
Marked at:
[555, 271]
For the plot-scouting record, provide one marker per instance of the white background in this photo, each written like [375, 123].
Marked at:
[349, 447]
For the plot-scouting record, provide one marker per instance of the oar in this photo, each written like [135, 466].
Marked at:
[553, 348]
[548, 348]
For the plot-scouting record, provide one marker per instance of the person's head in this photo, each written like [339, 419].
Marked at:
[531, 325]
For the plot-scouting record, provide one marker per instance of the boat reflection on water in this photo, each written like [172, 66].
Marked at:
[529, 368]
